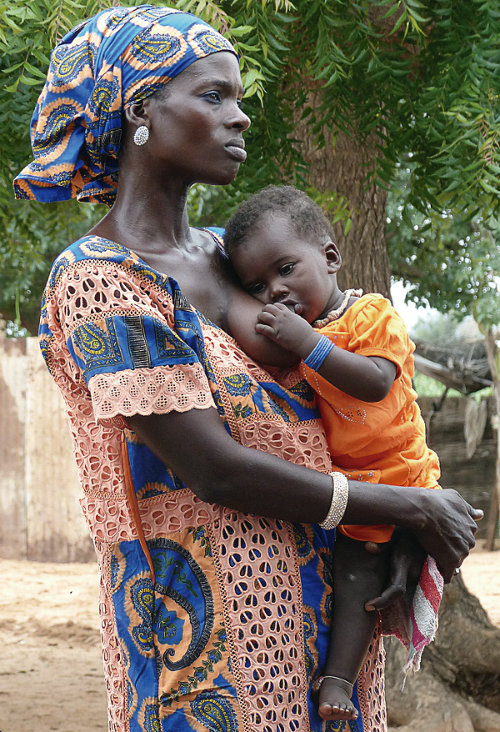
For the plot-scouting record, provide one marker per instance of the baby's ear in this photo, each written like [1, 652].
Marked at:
[333, 258]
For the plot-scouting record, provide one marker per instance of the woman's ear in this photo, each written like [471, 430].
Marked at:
[136, 115]
[333, 258]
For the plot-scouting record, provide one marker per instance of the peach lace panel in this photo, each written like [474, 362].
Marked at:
[113, 662]
[303, 443]
[371, 687]
[91, 290]
[298, 443]
[260, 579]
[110, 521]
[96, 446]
[156, 390]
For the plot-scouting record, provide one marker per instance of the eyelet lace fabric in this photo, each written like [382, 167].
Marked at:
[371, 686]
[163, 389]
[102, 308]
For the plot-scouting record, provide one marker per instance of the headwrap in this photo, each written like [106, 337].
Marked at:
[101, 67]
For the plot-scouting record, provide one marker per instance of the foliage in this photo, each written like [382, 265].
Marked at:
[425, 386]
[423, 74]
[436, 328]
[450, 262]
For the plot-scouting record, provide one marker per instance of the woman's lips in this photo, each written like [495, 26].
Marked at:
[236, 151]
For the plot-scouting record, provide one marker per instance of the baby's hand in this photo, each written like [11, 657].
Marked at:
[279, 323]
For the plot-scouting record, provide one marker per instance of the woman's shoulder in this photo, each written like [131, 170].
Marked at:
[100, 253]
[92, 246]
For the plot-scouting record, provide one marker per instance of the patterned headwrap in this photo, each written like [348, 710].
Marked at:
[101, 67]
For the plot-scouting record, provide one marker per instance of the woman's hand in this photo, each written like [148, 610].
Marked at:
[441, 520]
[448, 529]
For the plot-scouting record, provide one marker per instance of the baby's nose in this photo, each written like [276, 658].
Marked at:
[279, 293]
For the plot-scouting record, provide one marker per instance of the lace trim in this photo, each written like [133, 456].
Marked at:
[158, 390]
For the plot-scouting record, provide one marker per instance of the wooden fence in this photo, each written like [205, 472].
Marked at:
[40, 517]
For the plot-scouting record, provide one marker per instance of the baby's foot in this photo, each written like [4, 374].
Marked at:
[335, 698]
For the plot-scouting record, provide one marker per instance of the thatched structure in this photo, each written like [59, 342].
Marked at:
[460, 365]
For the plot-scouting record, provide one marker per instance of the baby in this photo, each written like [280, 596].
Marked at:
[356, 354]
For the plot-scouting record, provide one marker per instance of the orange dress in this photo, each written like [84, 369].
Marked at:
[376, 442]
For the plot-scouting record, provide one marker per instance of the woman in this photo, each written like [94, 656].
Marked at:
[212, 616]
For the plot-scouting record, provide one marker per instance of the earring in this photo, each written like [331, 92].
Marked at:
[141, 135]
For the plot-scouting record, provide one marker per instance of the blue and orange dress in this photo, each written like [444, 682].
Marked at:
[210, 619]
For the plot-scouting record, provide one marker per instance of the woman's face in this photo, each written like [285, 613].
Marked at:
[196, 126]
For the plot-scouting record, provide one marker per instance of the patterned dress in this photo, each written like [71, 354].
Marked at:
[236, 625]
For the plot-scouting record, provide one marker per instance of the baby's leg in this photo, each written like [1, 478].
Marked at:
[358, 576]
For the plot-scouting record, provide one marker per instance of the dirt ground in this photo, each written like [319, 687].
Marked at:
[50, 662]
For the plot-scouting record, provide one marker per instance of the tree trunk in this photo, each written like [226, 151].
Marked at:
[340, 167]
[494, 362]
[458, 686]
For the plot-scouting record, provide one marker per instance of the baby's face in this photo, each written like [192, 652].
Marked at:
[276, 264]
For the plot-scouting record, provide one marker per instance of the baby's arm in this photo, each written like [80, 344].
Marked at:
[368, 378]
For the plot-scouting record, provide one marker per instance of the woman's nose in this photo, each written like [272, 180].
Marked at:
[240, 120]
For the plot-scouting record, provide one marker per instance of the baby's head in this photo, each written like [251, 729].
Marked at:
[280, 244]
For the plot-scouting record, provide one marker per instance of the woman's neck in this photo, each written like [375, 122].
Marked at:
[156, 228]
[148, 222]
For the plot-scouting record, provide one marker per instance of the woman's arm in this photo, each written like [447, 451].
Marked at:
[222, 471]
[243, 312]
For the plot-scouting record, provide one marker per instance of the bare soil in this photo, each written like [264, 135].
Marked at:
[50, 660]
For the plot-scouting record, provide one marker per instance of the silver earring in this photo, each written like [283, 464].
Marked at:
[141, 135]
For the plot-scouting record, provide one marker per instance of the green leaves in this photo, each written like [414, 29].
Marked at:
[424, 75]
[451, 261]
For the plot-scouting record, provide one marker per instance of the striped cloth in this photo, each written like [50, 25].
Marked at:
[415, 625]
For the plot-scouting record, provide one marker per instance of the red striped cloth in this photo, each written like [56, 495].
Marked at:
[416, 626]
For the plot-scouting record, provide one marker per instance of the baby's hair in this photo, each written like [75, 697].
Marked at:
[306, 217]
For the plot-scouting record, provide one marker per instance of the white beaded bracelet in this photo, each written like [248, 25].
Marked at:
[340, 494]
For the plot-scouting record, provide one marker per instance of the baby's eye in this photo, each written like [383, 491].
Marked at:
[256, 289]
[286, 269]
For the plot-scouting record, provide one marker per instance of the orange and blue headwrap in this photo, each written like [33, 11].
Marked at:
[100, 68]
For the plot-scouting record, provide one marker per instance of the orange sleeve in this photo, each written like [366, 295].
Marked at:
[376, 329]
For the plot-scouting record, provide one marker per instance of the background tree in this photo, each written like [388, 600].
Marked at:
[343, 94]
[338, 91]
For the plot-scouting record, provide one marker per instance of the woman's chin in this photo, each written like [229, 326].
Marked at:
[221, 178]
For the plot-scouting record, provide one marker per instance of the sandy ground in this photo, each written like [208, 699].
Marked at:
[50, 662]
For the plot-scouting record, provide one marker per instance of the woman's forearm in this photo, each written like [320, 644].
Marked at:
[385, 504]
[197, 448]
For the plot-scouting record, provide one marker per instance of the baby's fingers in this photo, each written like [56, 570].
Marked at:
[390, 595]
[265, 330]
[266, 317]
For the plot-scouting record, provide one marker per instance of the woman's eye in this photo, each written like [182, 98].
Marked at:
[286, 269]
[212, 96]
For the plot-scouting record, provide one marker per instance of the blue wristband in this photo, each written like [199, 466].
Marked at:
[319, 353]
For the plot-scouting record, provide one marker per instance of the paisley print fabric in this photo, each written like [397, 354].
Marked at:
[235, 625]
[120, 56]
